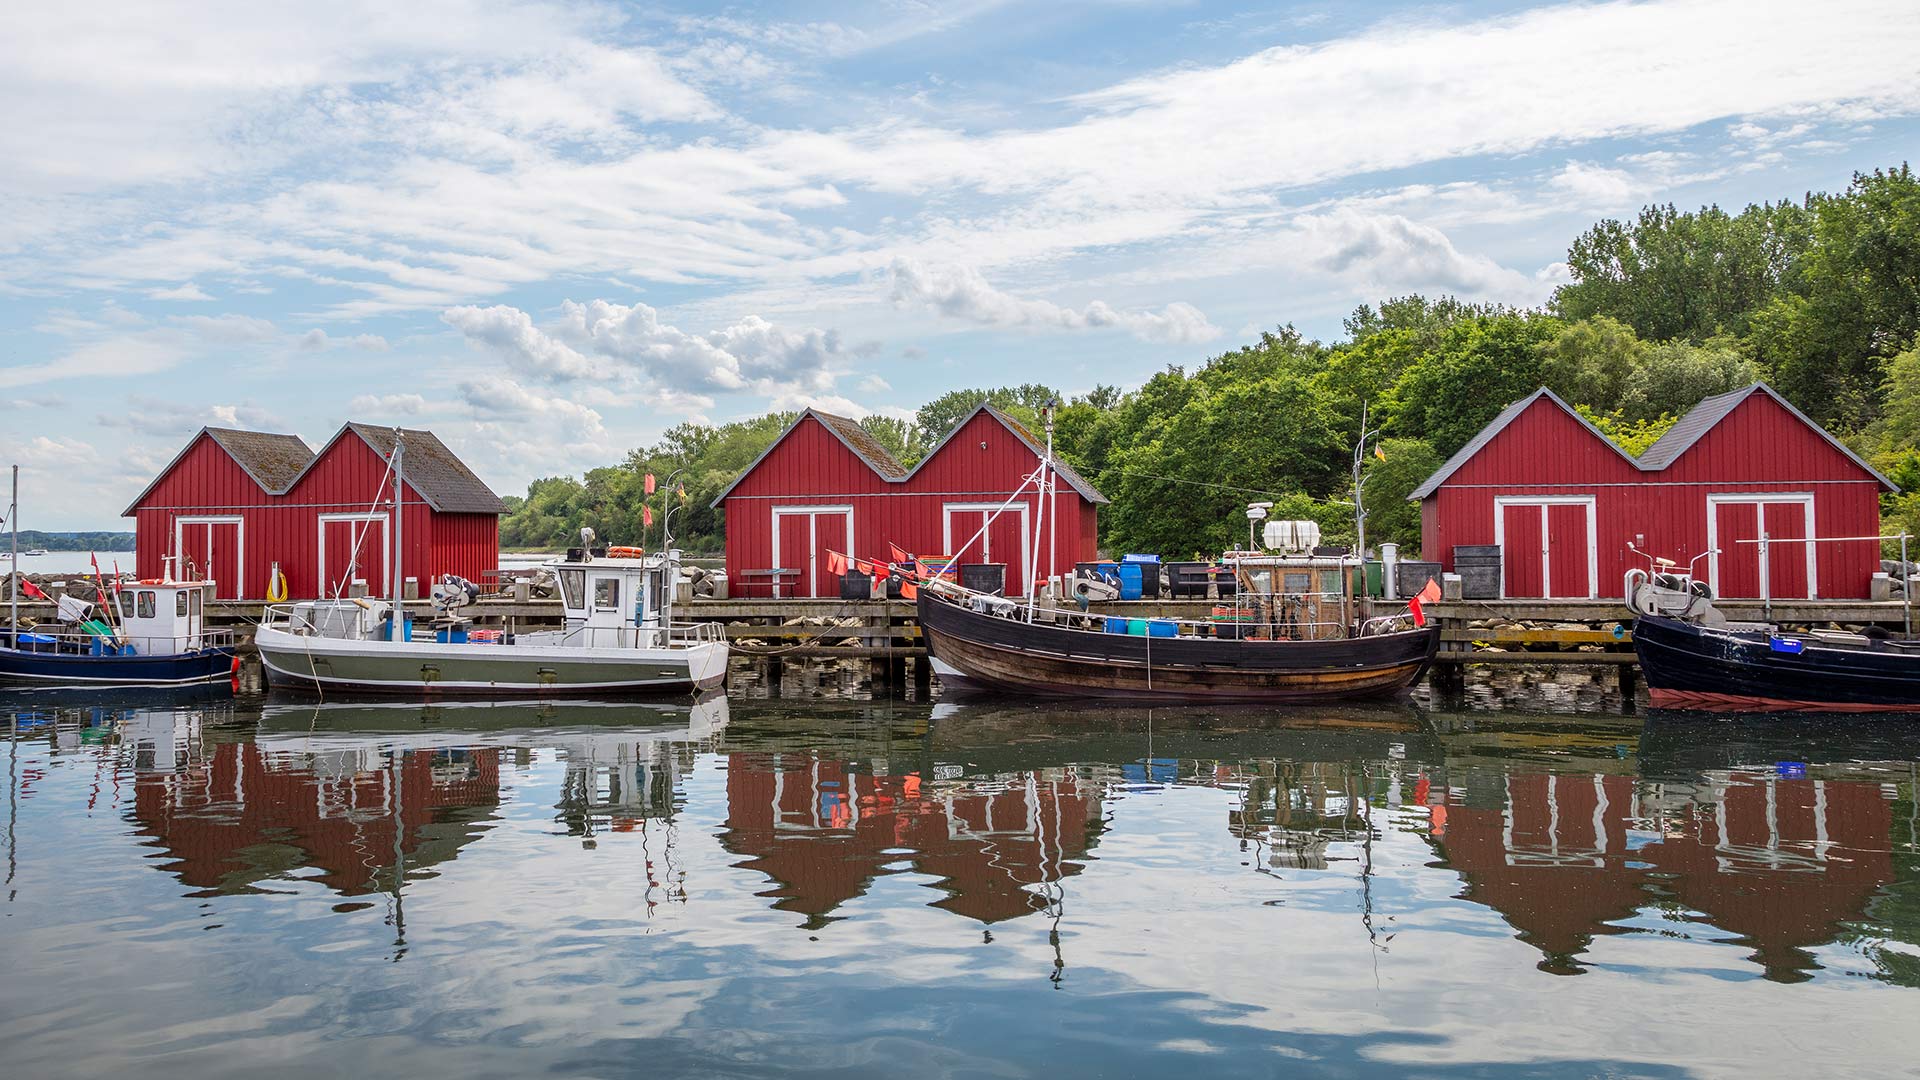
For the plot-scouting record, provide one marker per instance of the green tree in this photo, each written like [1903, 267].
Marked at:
[937, 418]
[1478, 368]
[1401, 466]
[901, 438]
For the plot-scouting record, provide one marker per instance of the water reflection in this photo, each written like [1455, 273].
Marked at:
[1379, 851]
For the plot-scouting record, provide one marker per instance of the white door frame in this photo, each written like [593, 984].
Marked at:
[240, 559]
[386, 547]
[813, 538]
[947, 510]
[1500, 504]
[1760, 499]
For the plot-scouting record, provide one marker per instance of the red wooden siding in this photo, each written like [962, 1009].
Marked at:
[286, 529]
[1758, 449]
[811, 469]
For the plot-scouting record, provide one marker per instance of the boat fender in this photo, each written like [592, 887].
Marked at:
[1619, 632]
[236, 667]
[276, 586]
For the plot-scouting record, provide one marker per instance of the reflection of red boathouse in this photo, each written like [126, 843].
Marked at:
[822, 833]
[246, 815]
[1779, 862]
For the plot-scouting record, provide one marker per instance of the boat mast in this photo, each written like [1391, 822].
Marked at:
[399, 533]
[12, 517]
[1039, 527]
[1359, 508]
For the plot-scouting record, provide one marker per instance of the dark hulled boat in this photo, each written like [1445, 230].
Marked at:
[1691, 665]
[975, 649]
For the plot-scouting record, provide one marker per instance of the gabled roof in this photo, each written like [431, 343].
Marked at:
[854, 437]
[1702, 418]
[1074, 480]
[869, 450]
[434, 471]
[1498, 424]
[273, 461]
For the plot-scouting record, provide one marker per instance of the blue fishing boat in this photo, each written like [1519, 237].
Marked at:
[145, 633]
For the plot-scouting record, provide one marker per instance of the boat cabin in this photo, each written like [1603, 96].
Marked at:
[161, 617]
[614, 599]
[1292, 597]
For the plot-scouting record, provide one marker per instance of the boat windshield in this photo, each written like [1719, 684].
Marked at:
[573, 584]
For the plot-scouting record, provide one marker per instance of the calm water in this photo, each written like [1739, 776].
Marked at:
[817, 887]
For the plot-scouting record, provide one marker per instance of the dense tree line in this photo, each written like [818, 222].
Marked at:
[1819, 297]
[31, 539]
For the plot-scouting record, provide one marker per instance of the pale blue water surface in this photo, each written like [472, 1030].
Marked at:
[786, 888]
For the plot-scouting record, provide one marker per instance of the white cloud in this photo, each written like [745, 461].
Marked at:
[496, 397]
[628, 346]
[317, 340]
[388, 405]
[225, 329]
[960, 292]
[188, 291]
[158, 417]
[1388, 254]
[874, 384]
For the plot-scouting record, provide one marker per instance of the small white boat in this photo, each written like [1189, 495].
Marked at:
[618, 637]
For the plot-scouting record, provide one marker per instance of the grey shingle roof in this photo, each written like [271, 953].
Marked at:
[1498, 424]
[273, 461]
[1688, 429]
[1074, 480]
[434, 471]
[861, 442]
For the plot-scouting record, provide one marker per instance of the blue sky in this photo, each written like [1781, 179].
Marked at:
[549, 231]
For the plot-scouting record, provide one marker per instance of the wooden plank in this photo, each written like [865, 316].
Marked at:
[1504, 638]
[1550, 659]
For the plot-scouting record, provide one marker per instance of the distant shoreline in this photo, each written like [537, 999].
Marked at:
[69, 541]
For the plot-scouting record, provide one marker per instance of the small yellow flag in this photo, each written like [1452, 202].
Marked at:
[1379, 453]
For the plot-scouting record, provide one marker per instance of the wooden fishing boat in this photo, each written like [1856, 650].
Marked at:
[1688, 665]
[1071, 654]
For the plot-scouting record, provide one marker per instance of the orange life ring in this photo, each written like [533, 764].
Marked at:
[626, 553]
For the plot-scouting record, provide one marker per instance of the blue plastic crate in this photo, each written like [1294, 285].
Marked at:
[1116, 626]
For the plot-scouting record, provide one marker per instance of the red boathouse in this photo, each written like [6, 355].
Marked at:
[235, 503]
[827, 485]
[1563, 502]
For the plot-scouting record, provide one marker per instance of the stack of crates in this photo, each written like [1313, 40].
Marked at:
[1479, 568]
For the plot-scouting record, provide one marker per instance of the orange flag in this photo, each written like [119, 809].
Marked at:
[646, 517]
[836, 563]
[898, 555]
[909, 591]
[1418, 601]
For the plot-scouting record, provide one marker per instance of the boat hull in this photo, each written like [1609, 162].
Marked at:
[1691, 667]
[977, 651]
[298, 662]
[19, 667]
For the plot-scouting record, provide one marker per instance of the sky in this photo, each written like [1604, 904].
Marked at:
[550, 231]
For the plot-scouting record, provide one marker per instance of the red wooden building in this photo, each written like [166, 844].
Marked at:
[826, 485]
[1563, 502]
[235, 503]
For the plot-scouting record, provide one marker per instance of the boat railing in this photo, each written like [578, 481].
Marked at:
[1284, 616]
[696, 633]
[71, 642]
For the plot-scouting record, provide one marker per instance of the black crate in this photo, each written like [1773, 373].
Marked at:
[856, 587]
[1411, 577]
[988, 577]
[1186, 579]
[1479, 582]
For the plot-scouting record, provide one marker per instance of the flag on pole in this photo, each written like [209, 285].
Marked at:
[31, 589]
[898, 555]
[836, 563]
[1379, 453]
[646, 517]
[909, 591]
[650, 484]
[1417, 602]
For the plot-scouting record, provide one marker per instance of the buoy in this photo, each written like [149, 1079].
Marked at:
[1619, 632]
[276, 586]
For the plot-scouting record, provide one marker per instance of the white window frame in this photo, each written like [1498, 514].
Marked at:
[239, 562]
[386, 547]
[1760, 499]
[813, 539]
[1500, 504]
[947, 510]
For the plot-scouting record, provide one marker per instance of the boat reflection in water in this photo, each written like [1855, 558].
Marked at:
[706, 869]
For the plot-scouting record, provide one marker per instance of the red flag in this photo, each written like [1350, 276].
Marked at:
[836, 563]
[1419, 616]
[650, 484]
[31, 589]
[646, 517]
[909, 591]
[897, 554]
[863, 566]
[1431, 592]
[1418, 601]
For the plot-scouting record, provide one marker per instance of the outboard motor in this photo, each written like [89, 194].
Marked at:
[453, 592]
[1088, 590]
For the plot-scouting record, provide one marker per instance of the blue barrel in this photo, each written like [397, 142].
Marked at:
[1130, 581]
[1137, 627]
[1116, 626]
[1162, 628]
